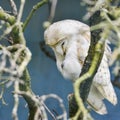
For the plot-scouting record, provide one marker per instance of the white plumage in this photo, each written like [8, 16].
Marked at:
[70, 41]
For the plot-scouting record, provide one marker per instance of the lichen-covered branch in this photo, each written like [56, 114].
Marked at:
[18, 58]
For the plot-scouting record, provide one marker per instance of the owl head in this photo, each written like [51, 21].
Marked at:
[70, 40]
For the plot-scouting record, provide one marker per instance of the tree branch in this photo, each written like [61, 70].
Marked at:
[13, 7]
[7, 17]
[21, 56]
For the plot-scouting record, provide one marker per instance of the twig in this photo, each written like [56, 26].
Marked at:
[52, 115]
[16, 100]
[14, 8]
[35, 7]
[1, 95]
[111, 25]
[64, 115]
[3, 82]
[52, 7]
[52, 4]
[20, 10]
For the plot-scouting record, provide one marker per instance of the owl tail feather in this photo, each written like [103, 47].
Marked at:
[108, 93]
[95, 101]
[100, 110]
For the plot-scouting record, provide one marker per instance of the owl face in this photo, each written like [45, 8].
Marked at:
[69, 45]
[66, 59]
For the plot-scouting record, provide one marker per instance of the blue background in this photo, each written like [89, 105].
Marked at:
[45, 78]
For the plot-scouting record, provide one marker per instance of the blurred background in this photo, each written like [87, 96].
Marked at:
[45, 78]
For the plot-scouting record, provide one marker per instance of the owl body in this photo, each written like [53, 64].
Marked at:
[70, 41]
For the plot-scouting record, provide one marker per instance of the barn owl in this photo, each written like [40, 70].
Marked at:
[70, 41]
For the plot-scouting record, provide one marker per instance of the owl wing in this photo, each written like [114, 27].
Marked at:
[102, 87]
[95, 101]
[101, 90]
[108, 92]
[103, 84]
[102, 79]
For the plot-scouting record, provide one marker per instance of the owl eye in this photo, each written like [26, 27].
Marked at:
[63, 47]
[60, 48]
[63, 44]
